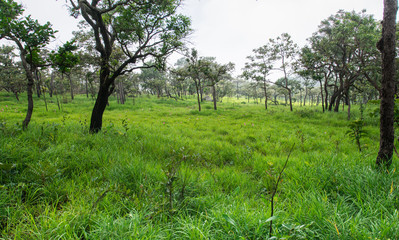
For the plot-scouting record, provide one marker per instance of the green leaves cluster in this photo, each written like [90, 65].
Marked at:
[65, 59]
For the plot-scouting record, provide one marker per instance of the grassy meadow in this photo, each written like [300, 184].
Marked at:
[160, 169]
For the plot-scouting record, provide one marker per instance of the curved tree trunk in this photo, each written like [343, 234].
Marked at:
[29, 112]
[387, 47]
[96, 121]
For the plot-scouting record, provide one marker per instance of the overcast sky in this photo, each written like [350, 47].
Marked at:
[228, 29]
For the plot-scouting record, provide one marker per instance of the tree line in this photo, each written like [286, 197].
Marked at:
[122, 46]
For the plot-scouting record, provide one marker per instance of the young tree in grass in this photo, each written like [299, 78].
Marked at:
[387, 48]
[29, 36]
[143, 30]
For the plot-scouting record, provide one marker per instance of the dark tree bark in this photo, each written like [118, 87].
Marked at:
[214, 96]
[198, 96]
[265, 89]
[387, 48]
[51, 87]
[38, 83]
[98, 110]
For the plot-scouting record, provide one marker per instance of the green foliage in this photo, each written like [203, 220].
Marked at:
[356, 131]
[65, 59]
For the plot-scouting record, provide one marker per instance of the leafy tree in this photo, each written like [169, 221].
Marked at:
[284, 51]
[153, 80]
[193, 70]
[387, 48]
[30, 37]
[215, 72]
[11, 73]
[345, 44]
[259, 66]
[65, 59]
[141, 29]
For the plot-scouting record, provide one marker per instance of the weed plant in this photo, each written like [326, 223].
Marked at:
[160, 169]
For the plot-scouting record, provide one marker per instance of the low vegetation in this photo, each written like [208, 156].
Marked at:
[160, 169]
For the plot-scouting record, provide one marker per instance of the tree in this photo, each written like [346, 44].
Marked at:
[259, 66]
[11, 73]
[30, 37]
[284, 51]
[343, 50]
[193, 70]
[215, 72]
[387, 48]
[64, 60]
[141, 29]
[153, 80]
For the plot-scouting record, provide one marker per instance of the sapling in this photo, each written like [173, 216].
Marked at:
[356, 131]
[275, 191]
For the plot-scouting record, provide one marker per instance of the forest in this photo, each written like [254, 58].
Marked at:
[104, 138]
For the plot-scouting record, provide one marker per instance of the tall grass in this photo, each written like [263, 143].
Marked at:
[59, 182]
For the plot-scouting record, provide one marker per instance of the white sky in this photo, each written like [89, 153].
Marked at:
[228, 29]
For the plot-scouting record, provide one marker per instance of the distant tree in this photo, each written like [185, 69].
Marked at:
[30, 37]
[141, 29]
[11, 72]
[387, 48]
[215, 72]
[153, 80]
[193, 70]
[64, 60]
[284, 51]
[259, 66]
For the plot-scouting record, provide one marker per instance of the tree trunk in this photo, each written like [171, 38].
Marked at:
[265, 88]
[290, 97]
[38, 83]
[29, 112]
[96, 121]
[322, 99]
[337, 102]
[198, 96]
[16, 95]
[70, 84]
[214, 96]
[387, 47]
[51, 87]
[87, 87]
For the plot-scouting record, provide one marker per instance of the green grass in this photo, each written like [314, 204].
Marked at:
[218, 168]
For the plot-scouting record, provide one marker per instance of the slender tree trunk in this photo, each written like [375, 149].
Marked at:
[387, 48]
[349, 110]
[71, 86]
[337, 102]
[38, 83]
[214, 96]
[198, 95]
[290, 97]
[51, 87]
[16, 95]
[265, 88]
[322, 99]
[29, 112]
[86, 86]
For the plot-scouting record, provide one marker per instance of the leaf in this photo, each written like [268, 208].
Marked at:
[271, 219]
